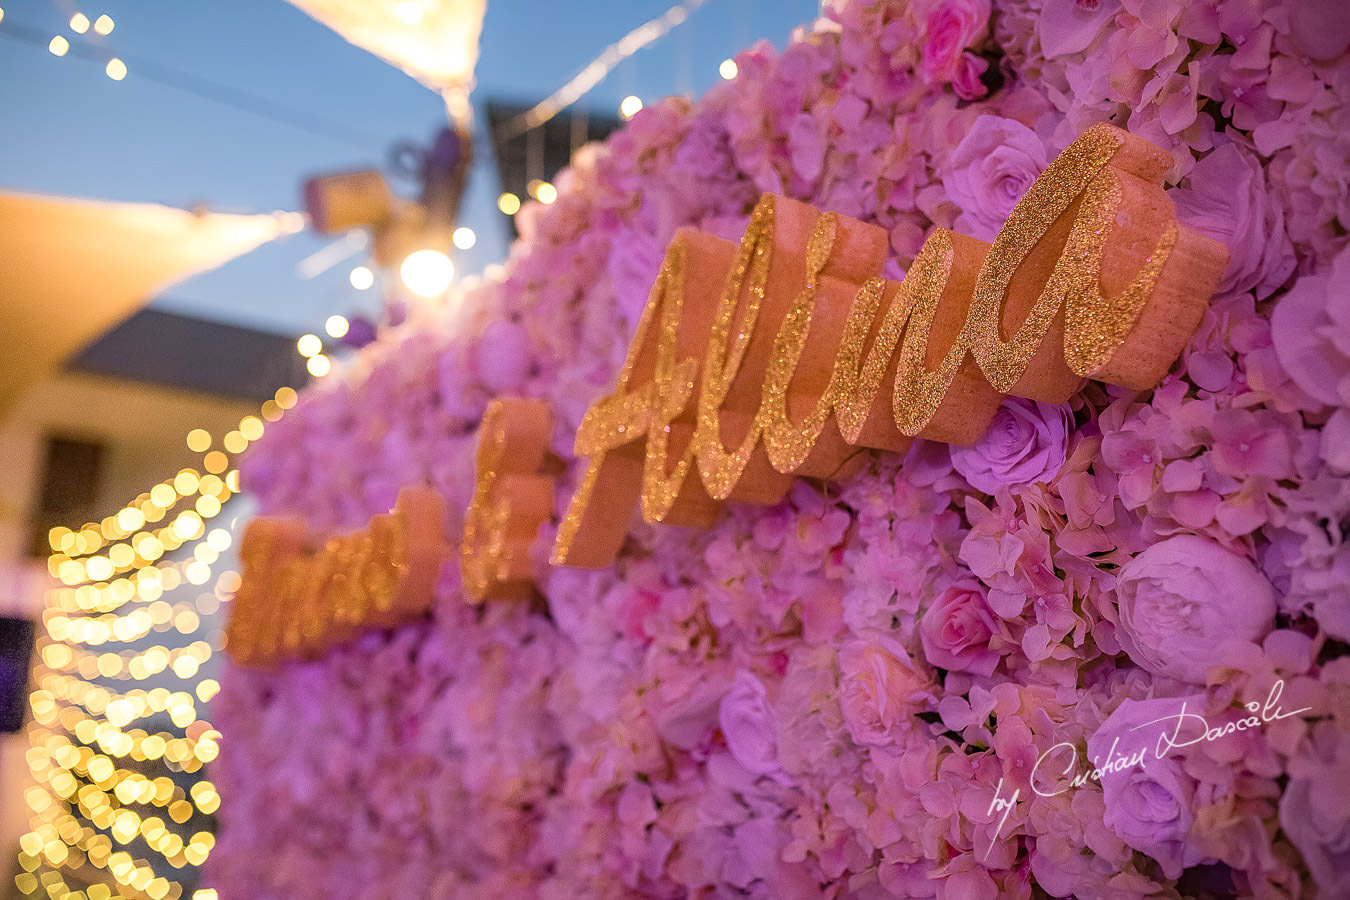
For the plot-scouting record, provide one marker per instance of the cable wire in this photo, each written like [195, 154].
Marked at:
[204, 88]
[598, 68]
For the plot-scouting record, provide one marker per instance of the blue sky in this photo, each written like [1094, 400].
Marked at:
[66, 128]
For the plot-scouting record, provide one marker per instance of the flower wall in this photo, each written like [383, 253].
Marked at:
[899, 684]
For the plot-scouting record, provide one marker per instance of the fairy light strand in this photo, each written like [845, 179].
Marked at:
[89, 806]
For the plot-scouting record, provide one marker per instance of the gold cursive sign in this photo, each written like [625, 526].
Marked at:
[512, 497]
[296, 603]
[759, 363]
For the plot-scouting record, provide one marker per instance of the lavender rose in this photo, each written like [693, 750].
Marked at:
[1186, 603]
[880, 689]
[1227, 200]
[1149, 805]
[956, 629]
[989, 171]
[750, 726]
[1026, 442]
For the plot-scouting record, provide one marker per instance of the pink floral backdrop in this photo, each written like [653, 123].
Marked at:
[848, 695]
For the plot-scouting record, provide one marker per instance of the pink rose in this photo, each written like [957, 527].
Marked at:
[956, 629]
[953, 25]
[989, 171]
[750, 726]
[1026, 442]
[880, 689]
[1151, 804]
[968, 83]
[1228, 201]
[1186, 604]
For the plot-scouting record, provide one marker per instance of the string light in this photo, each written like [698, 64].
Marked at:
[630, 106]
[94, 727]
[362, 278]
[103, 24]
[309, 345]
[336, 326]
[318, 365]
[116, 69]
[79, 23]
[545, 193]
[59, 46]
[464, 237]
[509, 203]
[728, 69]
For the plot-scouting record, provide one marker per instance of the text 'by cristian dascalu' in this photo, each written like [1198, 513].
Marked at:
[1181, 729]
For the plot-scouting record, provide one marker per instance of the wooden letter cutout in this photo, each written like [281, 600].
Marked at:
[512, 498]
[297, 603]
[766, 362]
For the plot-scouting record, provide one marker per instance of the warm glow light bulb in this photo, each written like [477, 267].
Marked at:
[362, 278]
[509, 203]
[309, 345]
[103, 24]
[630, 106]
[728, 69]
[409, 12]
[546, 193]
[59, 46]
[336, 326]
[427, 272]
[464, 237]
[79, 23]
[318, 365]
[116, 69]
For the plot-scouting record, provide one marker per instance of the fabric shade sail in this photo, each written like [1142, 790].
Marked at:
[434, 41]
[70, 269]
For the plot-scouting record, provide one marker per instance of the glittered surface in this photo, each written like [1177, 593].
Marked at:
[943, 399]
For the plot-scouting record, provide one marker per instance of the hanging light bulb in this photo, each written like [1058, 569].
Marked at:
[427, 272]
